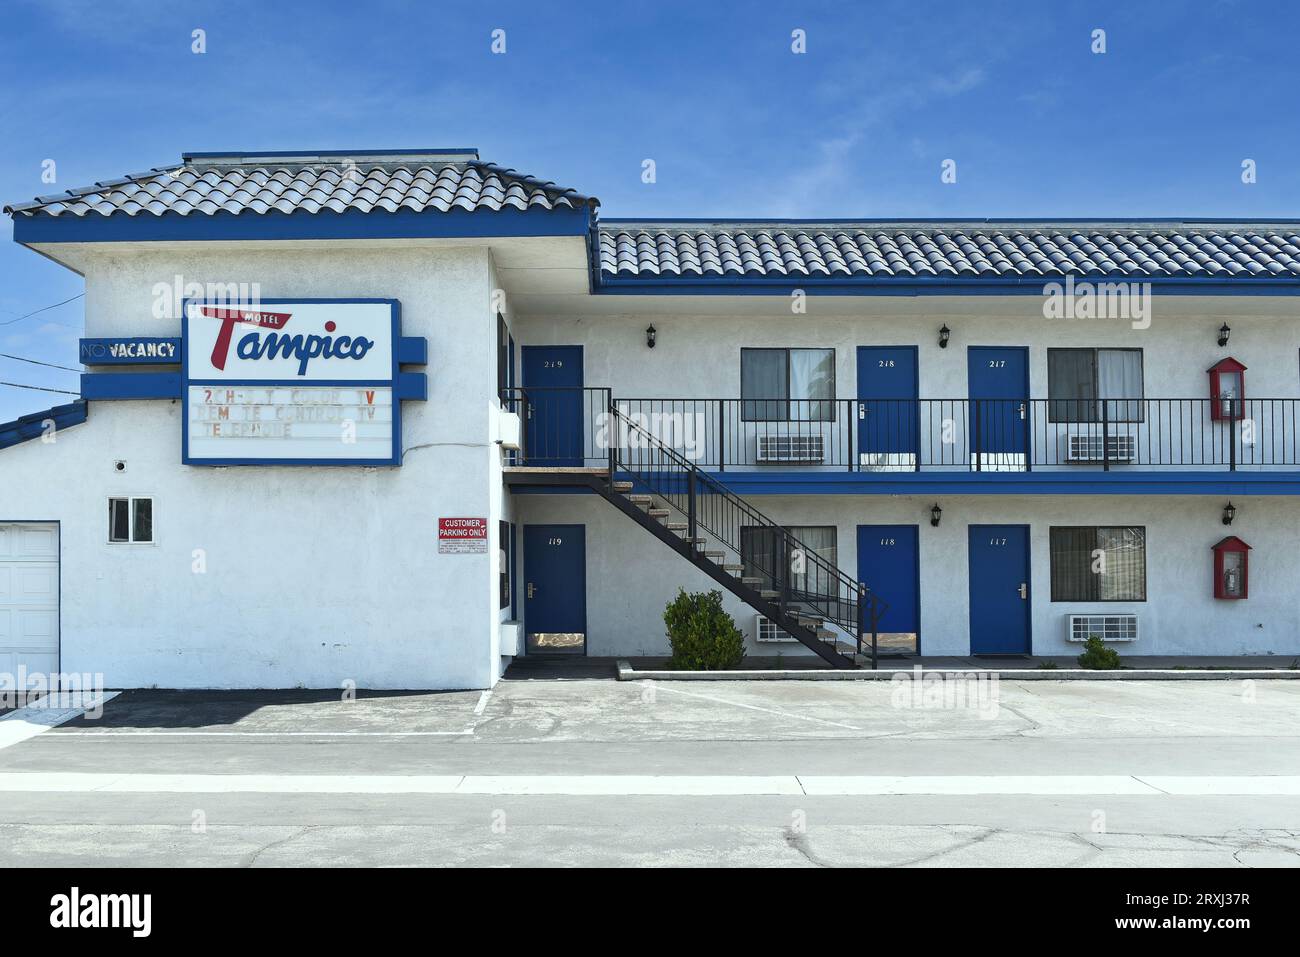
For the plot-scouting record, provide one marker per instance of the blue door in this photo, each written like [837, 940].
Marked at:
[998, 378]
[889, 564]
[555, 589]
[888, 437]
[553, 391]
[999, 589]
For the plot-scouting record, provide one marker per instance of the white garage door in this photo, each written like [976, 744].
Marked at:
[29, 598]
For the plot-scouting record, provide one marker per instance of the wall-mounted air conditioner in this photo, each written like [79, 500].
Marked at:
[1118, 627]
[1087, 447]
[791, 448]
[765, 631]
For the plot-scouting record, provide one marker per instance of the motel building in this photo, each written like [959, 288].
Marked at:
[395, 418]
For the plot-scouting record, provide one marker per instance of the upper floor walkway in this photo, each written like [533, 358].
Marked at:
[901, 446]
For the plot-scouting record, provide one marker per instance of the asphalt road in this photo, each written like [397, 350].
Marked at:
[591, 772]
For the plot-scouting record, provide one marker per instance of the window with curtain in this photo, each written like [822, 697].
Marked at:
[1084, 384]
[1101, 563]
[504, 559]
[787, 385]
[760, 553]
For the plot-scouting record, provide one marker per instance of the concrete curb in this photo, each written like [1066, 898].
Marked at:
[627, 673]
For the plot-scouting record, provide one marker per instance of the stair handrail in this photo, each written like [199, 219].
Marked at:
[852, 622]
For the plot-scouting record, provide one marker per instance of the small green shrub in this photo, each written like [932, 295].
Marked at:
[1046, 665]
[1097, 656]
[703, 636]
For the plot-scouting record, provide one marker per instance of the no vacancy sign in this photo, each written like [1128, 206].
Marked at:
[462, 536]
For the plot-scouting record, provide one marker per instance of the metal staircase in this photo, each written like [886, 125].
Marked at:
[706, 523]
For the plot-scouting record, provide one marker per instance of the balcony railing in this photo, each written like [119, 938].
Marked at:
[925, 435]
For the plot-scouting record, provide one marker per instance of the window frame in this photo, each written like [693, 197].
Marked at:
[132, 501]
[787, 401]
[795, 532]
[1097, 399]
[504, 364]
[505, 575]
[1095, 529]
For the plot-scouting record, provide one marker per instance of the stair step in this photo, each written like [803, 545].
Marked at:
[622, 486]
[751, 581]
[640, 499]
[768, 593]
[825, 634]
[811, 621]
[734, 569]
[677, 526]
[714, 556]
[699, 540]
[658, 512]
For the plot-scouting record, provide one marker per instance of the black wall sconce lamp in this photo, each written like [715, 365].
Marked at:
[1225, 330]
[936, 513]
[650, 336]
[1229, 513]
[944, 333]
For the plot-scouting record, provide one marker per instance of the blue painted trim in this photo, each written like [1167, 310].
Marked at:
[979, 483]
[130, 385]
[99, 352]
[395, 314]
[32, 425]
[411, 385]
[349, 224]
[937, 286]
[412, 350]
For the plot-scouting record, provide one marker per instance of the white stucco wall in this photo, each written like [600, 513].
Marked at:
[630, 576]
[314, 576]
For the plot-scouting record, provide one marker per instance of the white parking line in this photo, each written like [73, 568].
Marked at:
[28, 722]
[482, 702]
[822, 785]
[789, 785]
[751, 707]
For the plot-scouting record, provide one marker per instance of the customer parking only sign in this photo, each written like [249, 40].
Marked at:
[462, 536]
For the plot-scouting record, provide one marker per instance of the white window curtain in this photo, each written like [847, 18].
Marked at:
[812, 384]
[1119, 383]
[820, 540]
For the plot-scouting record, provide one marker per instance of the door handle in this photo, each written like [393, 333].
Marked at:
[530, 410]
[1024, 590]
[862, 411]
[1022, 410]
[532, 589]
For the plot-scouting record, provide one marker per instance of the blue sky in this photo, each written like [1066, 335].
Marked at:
[737, 124]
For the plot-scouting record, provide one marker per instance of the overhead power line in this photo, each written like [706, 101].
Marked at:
[38, 388]
[38, 362]
[10, 322]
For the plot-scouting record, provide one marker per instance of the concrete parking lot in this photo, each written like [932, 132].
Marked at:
[593, 772]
